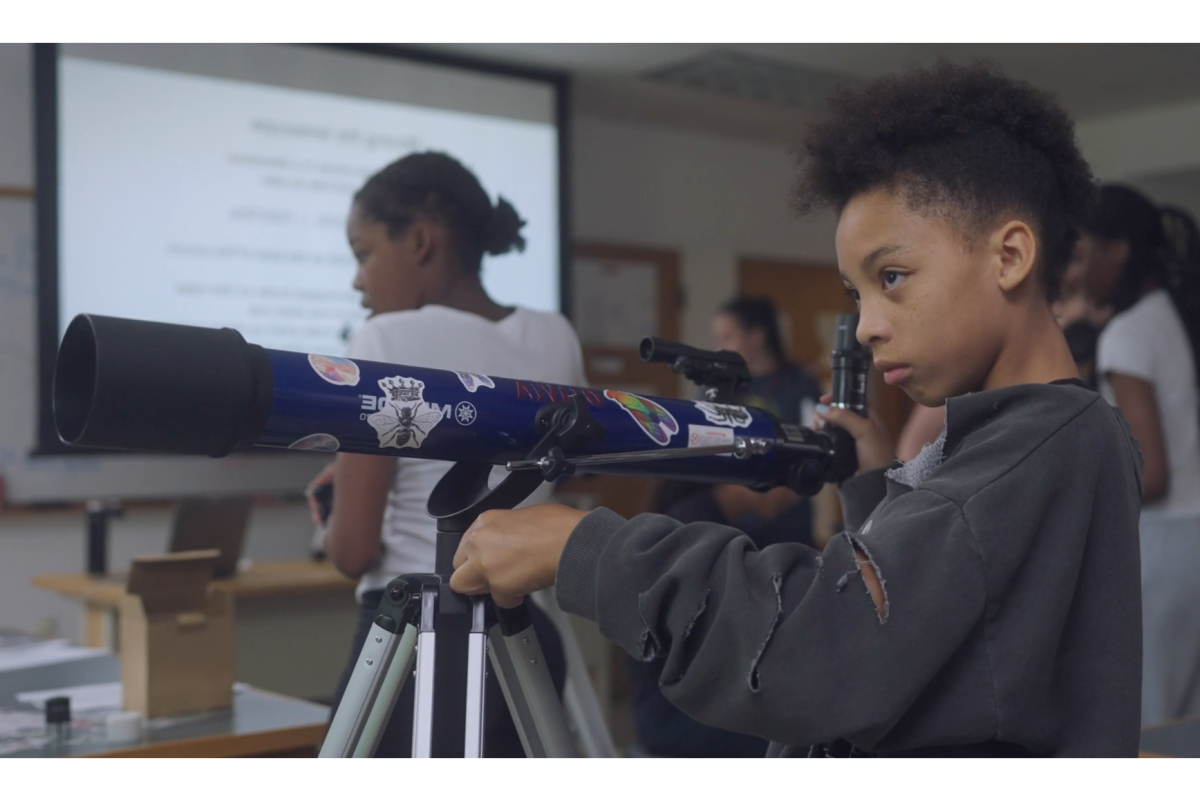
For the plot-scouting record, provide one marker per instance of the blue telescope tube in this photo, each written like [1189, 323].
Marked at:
[144, 386]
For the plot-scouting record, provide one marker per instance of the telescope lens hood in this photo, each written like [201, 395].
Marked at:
[143, 386]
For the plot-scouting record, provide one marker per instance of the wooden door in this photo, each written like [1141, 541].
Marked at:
[809, 297]
[612, 362]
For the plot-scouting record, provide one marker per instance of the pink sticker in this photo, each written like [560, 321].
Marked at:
[335, 369]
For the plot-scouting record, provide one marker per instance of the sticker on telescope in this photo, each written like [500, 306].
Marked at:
[405, 418]
[724, 414]
[316, 442]
[654, 420]
[708, 436]
[335, 369]
[465, 413]
[473, 381]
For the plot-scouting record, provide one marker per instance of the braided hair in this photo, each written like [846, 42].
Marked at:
[440, 187]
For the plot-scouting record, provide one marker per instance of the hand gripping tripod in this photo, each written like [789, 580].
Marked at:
[404, 631]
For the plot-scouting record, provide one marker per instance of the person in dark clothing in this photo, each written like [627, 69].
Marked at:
[750, 328]
[984, 599]
[663, 730]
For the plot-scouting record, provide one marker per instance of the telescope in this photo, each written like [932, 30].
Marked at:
[144, 386]
[158, 387]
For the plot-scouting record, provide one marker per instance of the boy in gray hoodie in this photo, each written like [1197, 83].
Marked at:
[984, 598]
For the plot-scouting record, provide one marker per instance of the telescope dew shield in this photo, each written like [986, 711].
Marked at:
[142, 386]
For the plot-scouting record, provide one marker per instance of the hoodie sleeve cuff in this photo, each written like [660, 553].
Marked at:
[575, 581]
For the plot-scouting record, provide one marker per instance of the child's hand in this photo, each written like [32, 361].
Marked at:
[873, 442]
[322, 478]
[511, 553]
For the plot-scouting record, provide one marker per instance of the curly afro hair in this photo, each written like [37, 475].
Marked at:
[964, 141]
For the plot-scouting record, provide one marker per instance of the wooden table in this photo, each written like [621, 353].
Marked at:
[293, 621]
[259, 724]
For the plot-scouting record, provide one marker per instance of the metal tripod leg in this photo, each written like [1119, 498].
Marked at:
[422, 740]
[476, 679]
[579, 697]
[527, 686]
[393, 682]
[377, 678]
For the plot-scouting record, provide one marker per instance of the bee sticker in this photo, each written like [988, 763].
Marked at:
[335, 369]
[405, 418]
[724, 414]
[473, 381]
[316, 442]
[654, 420]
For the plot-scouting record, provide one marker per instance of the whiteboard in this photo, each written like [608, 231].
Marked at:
[63, 478]
[39, 479]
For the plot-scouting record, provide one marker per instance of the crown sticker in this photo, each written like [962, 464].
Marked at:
[404, 418]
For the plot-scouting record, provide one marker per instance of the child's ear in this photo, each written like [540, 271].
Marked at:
[1015, 249]
[421, 242]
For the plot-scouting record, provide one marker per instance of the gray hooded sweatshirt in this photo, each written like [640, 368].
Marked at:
[1008, 553]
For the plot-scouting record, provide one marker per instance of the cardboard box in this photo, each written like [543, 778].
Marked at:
[176, 636]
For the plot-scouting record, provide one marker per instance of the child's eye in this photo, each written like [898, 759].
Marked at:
[892, 279]
[851, 293]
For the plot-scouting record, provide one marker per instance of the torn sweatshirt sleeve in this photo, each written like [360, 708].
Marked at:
[785, 642]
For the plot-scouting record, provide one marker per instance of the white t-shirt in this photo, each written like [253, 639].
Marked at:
[1148, 341]
[526, 344]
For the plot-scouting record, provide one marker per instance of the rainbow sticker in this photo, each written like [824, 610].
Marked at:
[316, 442]
[654, 420]
[335, 369]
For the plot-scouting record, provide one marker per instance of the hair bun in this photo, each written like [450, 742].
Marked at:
[503, 231]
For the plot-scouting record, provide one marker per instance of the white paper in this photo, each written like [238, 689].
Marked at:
[39, 654]
[16, 724]
[616, 302]
[84, 698]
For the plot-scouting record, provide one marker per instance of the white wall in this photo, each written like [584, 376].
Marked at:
[712, 199]
[1147, 142]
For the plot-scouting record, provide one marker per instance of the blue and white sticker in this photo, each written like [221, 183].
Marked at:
[473, 381]
[465, 413]
[405, 418]
[316, 442]
[725, 414]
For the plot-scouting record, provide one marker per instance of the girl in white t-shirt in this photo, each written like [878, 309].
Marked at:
[419, 229]
[1147, 364]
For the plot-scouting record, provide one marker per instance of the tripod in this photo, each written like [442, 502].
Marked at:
[405, 630]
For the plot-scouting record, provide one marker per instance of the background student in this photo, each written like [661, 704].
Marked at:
[750, 328]
[1147, 364]
[419, 229]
